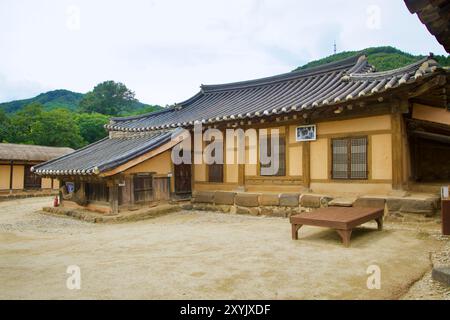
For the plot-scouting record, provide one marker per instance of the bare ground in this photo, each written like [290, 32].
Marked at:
[203, 255]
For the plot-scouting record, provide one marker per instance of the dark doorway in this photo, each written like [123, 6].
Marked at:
[430, 160]
[429, 144]
[31, 181]
[183, 178]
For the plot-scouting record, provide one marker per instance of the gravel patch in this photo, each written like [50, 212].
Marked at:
[206, 255]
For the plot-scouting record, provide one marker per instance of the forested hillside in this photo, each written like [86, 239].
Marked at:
[63, 118]
[383, 58]
[66, 99]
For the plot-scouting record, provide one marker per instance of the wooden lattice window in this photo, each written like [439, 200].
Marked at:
[31, 180]
[349, 158]
[281, 155]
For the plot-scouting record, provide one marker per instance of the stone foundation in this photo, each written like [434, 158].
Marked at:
[287, 204]
[256, 204]
[127, 216]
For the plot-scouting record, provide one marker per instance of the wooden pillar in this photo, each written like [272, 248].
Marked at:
[306, 164]
[241, 166]
[241, 177]
[11, 168]
[397, 151]
[81, 194]
[114, 198]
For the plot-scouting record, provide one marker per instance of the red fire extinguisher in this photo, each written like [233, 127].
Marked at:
[56, 202]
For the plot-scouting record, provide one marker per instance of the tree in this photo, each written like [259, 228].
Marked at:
[109, 98]
[92, 126]
[22, 121]
[56, 128]
[4, 126]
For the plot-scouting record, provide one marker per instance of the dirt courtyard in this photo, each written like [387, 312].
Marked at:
[201, 255]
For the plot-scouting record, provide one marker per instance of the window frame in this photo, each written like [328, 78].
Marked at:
[260, 165]
[349, 158]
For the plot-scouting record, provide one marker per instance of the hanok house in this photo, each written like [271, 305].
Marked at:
[369, 133]
[16, 161]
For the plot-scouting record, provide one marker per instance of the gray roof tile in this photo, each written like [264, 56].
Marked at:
[328, 84]
[105, 154]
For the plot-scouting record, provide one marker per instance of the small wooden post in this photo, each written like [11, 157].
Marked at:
[114, 198]
[397, 151]
[241, 177]
[11, 168]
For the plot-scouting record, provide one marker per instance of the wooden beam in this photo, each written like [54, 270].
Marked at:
[11, 168]
[427, 86]
[431, 136]
[114, 198]
[397, 151]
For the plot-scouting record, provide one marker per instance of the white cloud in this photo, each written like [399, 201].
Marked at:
[21, 89]
[165, 49]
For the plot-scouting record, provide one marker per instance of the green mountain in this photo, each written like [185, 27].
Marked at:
[50, 100]
[383, 58]
[67, 100]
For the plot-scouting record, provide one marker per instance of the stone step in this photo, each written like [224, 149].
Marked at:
[341, 202]
[442, 275]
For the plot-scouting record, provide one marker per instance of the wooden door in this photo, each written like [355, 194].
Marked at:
[161, 188]
[142, 188]
[183, 178]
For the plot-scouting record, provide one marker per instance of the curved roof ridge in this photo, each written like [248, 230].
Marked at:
[392, 72]
[325, 68]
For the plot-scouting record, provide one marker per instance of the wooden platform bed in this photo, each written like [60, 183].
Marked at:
[342, 219]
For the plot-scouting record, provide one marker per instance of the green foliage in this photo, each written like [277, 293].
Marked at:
[22, 121]
[4, 126]
[64, 99]
[64, 118]
[108, 97]
[383, 58]
[92, 126]
[144, 108]
[56, 128]
[34, 125]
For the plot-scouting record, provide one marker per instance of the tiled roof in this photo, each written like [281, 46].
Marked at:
[26, 152]
[333, 83]
[104, 155]
[328, 84]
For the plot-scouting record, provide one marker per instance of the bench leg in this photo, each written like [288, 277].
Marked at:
[379, 223]
[345, 236]
[295, 228]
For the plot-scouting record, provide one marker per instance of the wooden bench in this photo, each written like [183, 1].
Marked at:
[342, 219]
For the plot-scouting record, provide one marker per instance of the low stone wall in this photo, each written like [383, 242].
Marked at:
[287, 204]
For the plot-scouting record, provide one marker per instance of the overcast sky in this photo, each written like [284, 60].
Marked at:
[163, 50]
